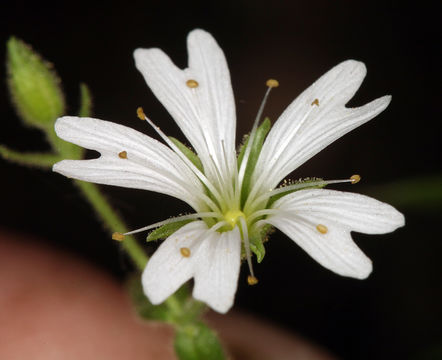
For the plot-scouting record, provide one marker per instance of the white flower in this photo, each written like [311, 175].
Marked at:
[233, 202]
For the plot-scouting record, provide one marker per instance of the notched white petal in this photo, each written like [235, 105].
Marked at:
[128, 159]
[303, 129]
[168, 269]
[353, 212]
[206, 112]
[216, 279]
[320, 222]
[212, 258]
[335, 250]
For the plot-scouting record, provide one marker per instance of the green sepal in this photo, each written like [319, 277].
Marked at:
[33, 85]
[85, 101]
[166, 230]
[307, 180]
[242, 149]
[179, 309]
[188, 153]
[263, 128]
[40, 160]
[146, 309]
[260, 135]
[257, 247]
[257, 241]
[197, 342]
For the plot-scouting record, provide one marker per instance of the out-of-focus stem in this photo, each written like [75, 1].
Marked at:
[113, 222]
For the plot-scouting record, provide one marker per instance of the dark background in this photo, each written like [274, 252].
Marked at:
[396, 313]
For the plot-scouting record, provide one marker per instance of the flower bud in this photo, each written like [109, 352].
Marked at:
[33, 85]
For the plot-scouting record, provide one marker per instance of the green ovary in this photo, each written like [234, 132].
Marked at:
[232, 217]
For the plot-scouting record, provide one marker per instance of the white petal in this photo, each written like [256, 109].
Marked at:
[216, 279]
[304, 128]
[149, 165]
[301, 211]
[205, 114]
[168, 269]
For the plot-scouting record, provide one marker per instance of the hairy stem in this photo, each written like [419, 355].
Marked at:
[113, 222]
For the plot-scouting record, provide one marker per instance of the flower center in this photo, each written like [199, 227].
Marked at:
[232, 217]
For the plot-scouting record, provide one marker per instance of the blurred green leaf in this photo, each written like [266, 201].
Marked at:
[85, 101]
[417, 193]
[41, 160]
[197, 342]
[34, 86]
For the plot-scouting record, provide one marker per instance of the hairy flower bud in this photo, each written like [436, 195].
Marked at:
[33, 85]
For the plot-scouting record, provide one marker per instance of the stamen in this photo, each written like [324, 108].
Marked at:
[220, 179]
[282, 148]
[183, 157]
[140, 113]
[231, 184]
[117, 236]
[245, 236]
[176, 219]
[290, 188]
[355, 179]
[259, 213]
[272, 83]
[185, 252]
[252, 280]
[322, 229]
[122, 155]
[315, 102]
[218, 225]
[253, 133]
[192, 83]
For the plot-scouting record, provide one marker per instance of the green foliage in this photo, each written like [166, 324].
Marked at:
[40, 160]
[166, 230]
[34, 86]
[193, 339]
[197, 342]
[85, 101]
[419, 193]
[36, 94]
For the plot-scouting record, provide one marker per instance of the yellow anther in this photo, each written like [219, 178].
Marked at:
[272, 83]
[122, 155]
[192, 83]
[252, 280]
[140, 113]
[117, 236]
[315, 102]
[185, 252]
[322, 229]
[355, 179]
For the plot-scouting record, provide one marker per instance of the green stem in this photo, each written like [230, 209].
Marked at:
[173, 304]
[113, 222]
